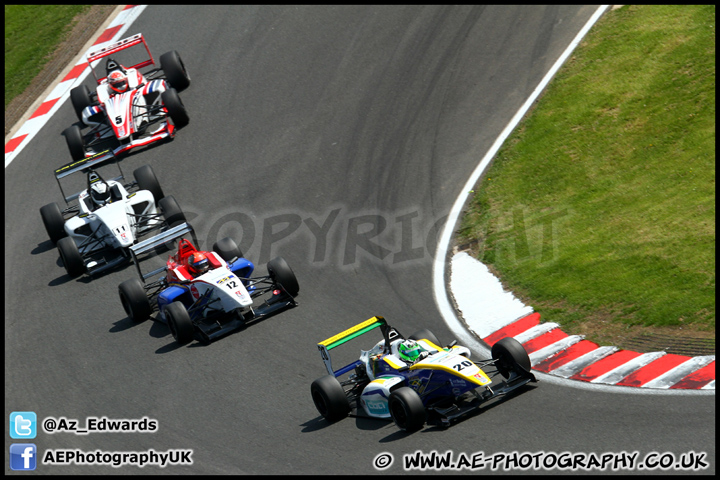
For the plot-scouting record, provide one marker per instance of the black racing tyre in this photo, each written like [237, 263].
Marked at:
[171, 211]
[147, 180]
[75, 142]
[407, 409]
[179, 322]
[175, 71]
[54, 222]
[134, 300]
[281, 273]
[329, 398]
[510, 356]
[80, 98]
[425, 334]
[227, 249]
[71, 258]
[176, 110]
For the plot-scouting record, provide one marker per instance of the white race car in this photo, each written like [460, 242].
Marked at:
[128, 109]
[109, 217]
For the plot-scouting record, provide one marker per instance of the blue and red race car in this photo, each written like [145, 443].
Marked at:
[209, 303]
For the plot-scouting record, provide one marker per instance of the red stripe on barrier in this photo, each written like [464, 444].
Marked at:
[571, 353]
[107, 35]
[697, 379]
[128, 7]
[604, 365]
[544, 340]
[44, 108]
[513, 329]
[76, 71]
[14, 142]
[652, 370]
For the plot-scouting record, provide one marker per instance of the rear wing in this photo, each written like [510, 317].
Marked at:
[353, 332]
[152, 243]
[82, 166]
[118, 46]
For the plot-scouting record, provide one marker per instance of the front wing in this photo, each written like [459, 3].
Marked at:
[473, 400]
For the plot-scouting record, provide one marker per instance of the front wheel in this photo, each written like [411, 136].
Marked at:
[134, 300]
[175, 108]
[282, 274]
[407, 409]
[179, 322]
[510, 356]
[329, 398]
[71, 258]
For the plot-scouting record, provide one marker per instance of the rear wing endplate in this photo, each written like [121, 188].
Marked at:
[335, 341]
[158, 240]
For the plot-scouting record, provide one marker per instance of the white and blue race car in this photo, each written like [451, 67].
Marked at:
[439, 381]
[211, 303]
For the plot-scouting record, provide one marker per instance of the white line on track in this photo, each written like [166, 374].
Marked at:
[447, 311]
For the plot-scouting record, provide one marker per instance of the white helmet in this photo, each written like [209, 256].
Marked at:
[118, 81]
[100, 193]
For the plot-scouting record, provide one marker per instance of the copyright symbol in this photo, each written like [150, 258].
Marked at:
[49, 425]
[383, 461]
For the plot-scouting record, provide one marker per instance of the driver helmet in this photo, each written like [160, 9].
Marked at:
[118, 81]
[100, 193]
[409, 351]
[198, 263]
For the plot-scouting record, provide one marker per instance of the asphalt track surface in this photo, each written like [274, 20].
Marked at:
[361, 119]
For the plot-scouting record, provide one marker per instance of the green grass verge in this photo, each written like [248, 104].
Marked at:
[32, 32]
[599, 210]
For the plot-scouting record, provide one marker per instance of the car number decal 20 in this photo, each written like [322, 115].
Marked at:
[463, 364]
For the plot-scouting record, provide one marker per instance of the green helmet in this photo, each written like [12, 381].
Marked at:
[409, 350]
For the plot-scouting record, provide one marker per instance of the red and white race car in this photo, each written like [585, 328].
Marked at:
[128, 109]
[206, 294]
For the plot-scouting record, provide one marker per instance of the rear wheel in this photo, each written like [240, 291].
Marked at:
[71, 258]
[174, 69]
[227, 249]
[427, 335]
[171, 211]
[146, 180]
[510, 356]
[80, 98]
[407, 409]
[176, 110]
[282, 274]
[329, 398]
[179, 322]
[75, 142]
[134, 300]
[54, 222]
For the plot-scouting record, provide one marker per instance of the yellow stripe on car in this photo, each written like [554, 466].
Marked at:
[352, 332]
